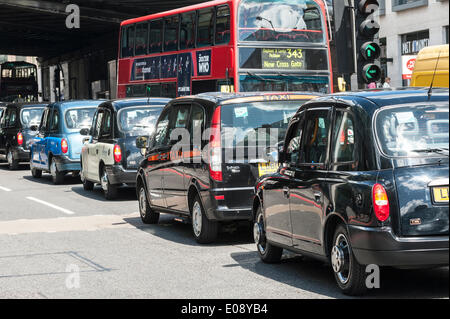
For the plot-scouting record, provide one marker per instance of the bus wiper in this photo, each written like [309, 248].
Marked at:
[259, 18]
[263, 79]
[438, 150]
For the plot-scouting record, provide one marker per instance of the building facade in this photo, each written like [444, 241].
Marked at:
[407, 26]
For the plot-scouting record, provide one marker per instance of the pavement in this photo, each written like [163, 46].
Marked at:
[63, 242]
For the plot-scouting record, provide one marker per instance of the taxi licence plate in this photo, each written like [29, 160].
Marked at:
[440, 194]
[267, 168]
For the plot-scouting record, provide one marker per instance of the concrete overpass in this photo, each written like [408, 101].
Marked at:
[84, 55]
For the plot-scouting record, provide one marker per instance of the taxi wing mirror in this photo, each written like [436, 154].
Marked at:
[85, 131]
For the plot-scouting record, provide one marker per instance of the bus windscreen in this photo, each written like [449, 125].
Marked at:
[280, 21]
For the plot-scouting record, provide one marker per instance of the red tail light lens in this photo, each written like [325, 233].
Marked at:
[215, 144]
[20, 139]
[380, 202]
[64, 146]
[117, 154]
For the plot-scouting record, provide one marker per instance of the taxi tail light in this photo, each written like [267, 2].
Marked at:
[117, 154]
[20, 139]
[64, 146]
[215, 144]
[380, 202]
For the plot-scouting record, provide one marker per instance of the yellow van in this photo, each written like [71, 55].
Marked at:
[426, 62]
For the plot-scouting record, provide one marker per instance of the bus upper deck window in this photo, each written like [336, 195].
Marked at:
[155, 41]
[141, 39]
[205, 27]
[171, 34]
[127, 45]
[187, 31]
[223, 25]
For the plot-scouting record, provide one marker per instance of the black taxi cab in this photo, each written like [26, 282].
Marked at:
[206, 154]
[363, 180]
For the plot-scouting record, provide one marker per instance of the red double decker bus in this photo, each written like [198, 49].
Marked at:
[226, 45]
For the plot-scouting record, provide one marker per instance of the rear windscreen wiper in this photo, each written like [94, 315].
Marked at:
[432, 150]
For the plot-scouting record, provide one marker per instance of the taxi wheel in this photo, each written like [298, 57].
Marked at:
[36, 173]
[109, 190]
[57, 176]
[267, 252]
[205, 231]
[13, 164]
[349, 274]
[148, 215]
[87, 185]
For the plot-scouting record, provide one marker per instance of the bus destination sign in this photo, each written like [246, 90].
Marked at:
[286, 59]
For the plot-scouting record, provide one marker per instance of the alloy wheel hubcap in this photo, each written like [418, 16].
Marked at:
[197, 218]
[258, 234]
[340, 258]
[53, 169]
[105, 181]
[10, 158]
[142, 202]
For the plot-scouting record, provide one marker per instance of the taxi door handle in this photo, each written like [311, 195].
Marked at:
[318, 197]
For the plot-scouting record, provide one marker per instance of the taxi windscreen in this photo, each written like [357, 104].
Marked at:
[262, 123]
[414, 131]
[31, 116]
[79, 118]
[133, 121]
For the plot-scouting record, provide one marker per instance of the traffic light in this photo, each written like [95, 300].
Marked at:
[368, 49]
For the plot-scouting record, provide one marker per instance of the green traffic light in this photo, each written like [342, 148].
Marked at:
[371, 73]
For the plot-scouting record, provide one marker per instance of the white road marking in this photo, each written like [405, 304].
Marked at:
[5, 189]
[65, 211]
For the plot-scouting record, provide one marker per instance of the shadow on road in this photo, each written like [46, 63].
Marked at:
[181, 233]
[47, 180]
[317, 277]
[22, 167]
[124, 194]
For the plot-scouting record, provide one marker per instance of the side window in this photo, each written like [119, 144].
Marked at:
[155, 38]
[171, 34]
[344, 143]
[106, 127]
[197, 123]
[12, 118]
[223, 25]
[295, 136]
[141, 39]
[205, 28]
[162, 129]
[315, 139]
[187, 30]
[54, 123]
[97, 125]
[127, 41]
[5, 118]
[43, 126]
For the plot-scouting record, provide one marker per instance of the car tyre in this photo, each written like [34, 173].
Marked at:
[36, 173]
[349, 274]
[110, 191]
[57, 176]
[267, 252]
[205, 231]
[13, 164]
[148, 215]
